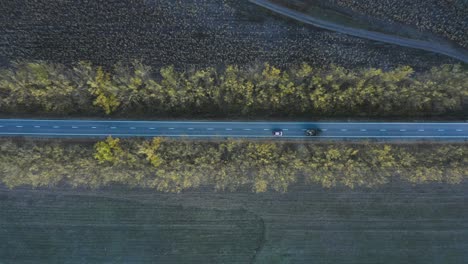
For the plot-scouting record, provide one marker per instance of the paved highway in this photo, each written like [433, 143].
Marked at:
[337, 130]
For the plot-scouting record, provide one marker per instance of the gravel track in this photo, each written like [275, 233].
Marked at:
[458, 54]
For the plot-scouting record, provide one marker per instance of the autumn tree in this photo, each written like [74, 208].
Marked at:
[109, 151]
[104, 90]
[175, 166]
[135, 86]
[326, 91]
[150, 150]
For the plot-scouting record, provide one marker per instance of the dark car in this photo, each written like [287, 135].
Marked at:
[277, 132]
[312, 132]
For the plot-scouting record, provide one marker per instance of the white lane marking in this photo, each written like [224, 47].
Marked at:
[229, 129]
[421, 130]
[19, 126]
[132, 128]
[402, 130]
[210, 128]
[247, 129]
[245, 122]
[152, 128]
[244, 136]
[363, 130]
[383, 130]
[190, 128]
[1, 126]
[266, 129]
[93, 127]
[324, 129]
[459, 130]
[440, 130]
[171, 128]
[113, 127]
[37, 126]
[286, 129]
[74, 127]
[344, 129]
[56, 127]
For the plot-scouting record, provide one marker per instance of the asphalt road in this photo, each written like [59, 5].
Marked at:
[200, 129]
[454, 52]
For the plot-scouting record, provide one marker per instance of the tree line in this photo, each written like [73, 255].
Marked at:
[257, 91]
[174, 166]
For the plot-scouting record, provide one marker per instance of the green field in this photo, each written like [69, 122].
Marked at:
[398, 224]
[37, 228]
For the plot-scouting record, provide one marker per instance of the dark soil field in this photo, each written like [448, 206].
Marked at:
[398, 224]
[183, 33]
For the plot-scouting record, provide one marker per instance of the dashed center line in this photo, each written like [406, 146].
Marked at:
[392, 130]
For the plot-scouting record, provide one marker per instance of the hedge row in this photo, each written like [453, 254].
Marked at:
[174, 166]
[259, 91]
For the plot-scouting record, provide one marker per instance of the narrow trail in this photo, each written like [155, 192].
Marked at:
[453, 52]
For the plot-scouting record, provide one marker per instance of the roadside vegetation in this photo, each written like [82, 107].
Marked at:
[260, 91]
[175, 166]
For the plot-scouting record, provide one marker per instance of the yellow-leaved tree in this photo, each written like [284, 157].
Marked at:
[104, 91]
[109, 151]
[150, 150]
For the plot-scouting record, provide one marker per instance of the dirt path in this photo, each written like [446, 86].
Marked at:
[453, 52]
